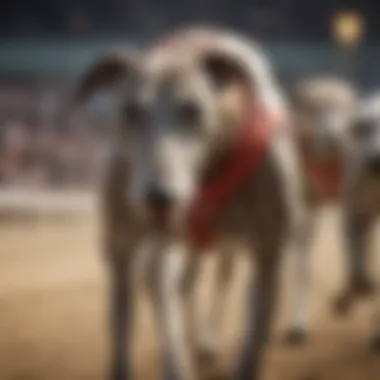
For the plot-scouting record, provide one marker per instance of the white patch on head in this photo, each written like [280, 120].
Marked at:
[335, 121]
[326, 108]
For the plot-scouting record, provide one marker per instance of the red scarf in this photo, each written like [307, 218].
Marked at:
[243, 162]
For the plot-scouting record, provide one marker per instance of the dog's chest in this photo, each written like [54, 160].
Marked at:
[258, 202]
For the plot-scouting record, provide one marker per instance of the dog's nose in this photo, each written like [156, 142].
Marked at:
[157, 197]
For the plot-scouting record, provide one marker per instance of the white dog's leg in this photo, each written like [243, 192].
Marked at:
[172, 304]
[355, 228]
[261, 300]
[300, 319]
[121, 297]
[356, 237]
[358, 283]
[210, 331]
[190, 304]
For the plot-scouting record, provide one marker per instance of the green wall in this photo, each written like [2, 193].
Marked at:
[56, 57]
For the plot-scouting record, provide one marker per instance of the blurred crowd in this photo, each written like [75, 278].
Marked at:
[37, 145]
[39, 148]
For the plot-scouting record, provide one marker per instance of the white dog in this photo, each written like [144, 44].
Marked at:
[362, 205]
[324, 109]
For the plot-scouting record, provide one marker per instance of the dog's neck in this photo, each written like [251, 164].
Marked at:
[220, 154]
[232, 116]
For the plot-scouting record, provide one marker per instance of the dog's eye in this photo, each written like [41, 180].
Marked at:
[134, 113]
[188, 113]
[362, 129]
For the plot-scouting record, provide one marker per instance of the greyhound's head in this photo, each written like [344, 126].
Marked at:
[366, 134]
[180, 106]
[324, 110]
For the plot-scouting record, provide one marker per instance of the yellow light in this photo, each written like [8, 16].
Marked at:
[348, 28]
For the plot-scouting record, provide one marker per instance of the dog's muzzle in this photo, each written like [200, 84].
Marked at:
[160, 205]
[158, 198]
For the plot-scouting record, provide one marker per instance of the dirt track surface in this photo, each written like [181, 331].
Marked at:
[53, 312]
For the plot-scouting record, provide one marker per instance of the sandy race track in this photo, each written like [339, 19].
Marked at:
[53, 319]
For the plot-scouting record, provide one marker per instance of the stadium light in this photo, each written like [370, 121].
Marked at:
[348, 28]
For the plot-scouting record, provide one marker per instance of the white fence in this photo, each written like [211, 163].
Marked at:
[29, 204]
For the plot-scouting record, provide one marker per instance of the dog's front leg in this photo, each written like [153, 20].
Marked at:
[210, 331]
[356, 236]
[121, 302]
[299, 323]
[358, 284]
[173, 282]
[261, 299]
[355, 227]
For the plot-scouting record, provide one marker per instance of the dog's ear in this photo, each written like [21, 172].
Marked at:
[231, 80]
[104, 73]
[224, 69]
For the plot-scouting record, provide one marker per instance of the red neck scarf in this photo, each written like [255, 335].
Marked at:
[243, 162]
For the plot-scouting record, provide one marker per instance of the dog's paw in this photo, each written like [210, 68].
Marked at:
[375, 344]
[296, 336]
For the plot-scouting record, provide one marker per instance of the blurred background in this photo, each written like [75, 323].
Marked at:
[53, 313]
[45, 44]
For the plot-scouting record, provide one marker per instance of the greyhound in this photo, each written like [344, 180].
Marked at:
[204, 157]
[361, 206]
[324, 109]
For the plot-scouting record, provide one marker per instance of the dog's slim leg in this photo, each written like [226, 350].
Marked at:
[358, 284]
[171, 296]
[121, 315]
[299, 324]
[261, 299]
[210, 331]
[354, 229]
[356, 237]
[188, 289]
